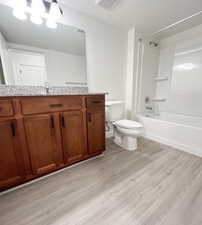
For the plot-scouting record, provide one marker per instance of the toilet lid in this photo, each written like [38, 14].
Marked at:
[128, 124]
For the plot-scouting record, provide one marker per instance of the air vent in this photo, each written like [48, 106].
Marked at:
[106, 4]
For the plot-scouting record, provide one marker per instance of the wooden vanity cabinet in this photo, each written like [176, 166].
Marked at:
[56, 131]
[12, 171]
[96, 124]
[96, 135]
[73, 136]
[41, 143]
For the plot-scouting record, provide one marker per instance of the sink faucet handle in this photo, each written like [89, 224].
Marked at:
[47, 87]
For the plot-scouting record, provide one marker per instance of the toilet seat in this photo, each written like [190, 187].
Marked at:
[129, 132]
[128, 124]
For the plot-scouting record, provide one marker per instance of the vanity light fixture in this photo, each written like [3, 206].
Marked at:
[55, 14]
[39, 11]
[38, 7]
[55, 10]
[36, 19]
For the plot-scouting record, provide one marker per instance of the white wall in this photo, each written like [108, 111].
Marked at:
[63, 67]
[106, 53]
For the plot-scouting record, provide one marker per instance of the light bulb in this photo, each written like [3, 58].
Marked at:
[51, 24]
[19, 10]
[36, 19]
[38, 7]
[21, 4]
[55, 12]
[19, 14]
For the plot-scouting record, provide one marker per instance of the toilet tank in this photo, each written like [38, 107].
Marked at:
[114, 110]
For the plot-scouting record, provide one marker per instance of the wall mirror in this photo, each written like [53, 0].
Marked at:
[36, 55]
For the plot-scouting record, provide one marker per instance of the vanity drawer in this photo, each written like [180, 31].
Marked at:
[34, 105]
[6, 108]
[95, 102]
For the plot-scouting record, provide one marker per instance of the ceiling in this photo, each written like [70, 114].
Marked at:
[148, 16]
[64, 38]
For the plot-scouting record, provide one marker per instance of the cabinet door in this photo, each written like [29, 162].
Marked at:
[73, 136]
[96, 131]
[11, 161]
[41, 141]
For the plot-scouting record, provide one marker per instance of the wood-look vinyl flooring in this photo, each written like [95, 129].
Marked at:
[156, 185]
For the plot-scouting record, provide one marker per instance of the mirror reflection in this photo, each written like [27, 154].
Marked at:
[37, 55]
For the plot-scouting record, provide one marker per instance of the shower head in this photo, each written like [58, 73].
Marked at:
[153, 44]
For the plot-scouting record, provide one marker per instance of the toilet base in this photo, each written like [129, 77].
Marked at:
[126, 142]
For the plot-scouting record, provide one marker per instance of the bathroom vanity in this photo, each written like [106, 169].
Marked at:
[48, 120]
[42, 134]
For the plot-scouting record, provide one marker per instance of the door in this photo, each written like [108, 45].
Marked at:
[29, 68]
[41, 141]
[73, 136]
[11, 161]
[30, 75]
[96, 131]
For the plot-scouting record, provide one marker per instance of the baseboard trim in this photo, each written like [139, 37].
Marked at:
[177, 145]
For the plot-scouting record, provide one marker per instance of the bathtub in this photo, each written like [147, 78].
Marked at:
[181, 132]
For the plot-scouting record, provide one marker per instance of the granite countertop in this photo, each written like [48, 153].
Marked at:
[38, 95]
[17, 91]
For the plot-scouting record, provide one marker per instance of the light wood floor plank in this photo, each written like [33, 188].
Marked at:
[155, 186]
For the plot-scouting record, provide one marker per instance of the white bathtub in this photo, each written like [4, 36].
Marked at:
[183, 135]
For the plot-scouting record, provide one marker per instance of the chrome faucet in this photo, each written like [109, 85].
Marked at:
[47, 87]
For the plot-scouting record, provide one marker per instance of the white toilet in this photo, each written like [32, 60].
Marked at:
[126, 132]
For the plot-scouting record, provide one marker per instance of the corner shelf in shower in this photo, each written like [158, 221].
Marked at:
[159, 99]
[161, 78]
